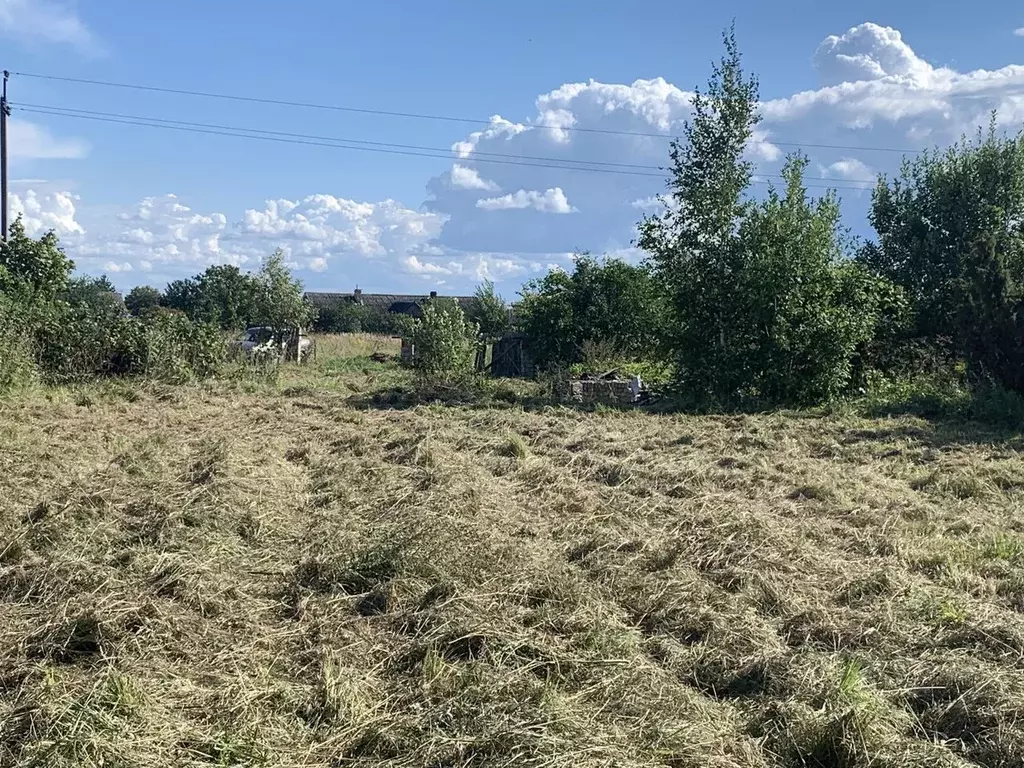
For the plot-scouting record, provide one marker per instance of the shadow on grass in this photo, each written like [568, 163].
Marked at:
[985, 418]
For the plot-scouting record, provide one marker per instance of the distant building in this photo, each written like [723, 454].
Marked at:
[391, 303]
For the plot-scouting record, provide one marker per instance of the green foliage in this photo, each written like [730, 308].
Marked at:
[489, 311]
[178, 350]
[143, 300]
[944, 393]
[764, 306]
[279, 301]
[222, 295]
[990, 311]
[74, 342]
[951, 233]
[803, 309]
[937, 211]
[97, 293]
[225, 296]
[17, 367]
[38, 270]
[444, 340]
[64, 330]
[183, 296]
[607, 301]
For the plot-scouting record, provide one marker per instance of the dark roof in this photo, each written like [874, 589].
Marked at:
[387, 302]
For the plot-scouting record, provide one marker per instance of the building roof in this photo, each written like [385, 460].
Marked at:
[387, 302]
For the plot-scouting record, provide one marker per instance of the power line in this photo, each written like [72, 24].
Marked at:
[475, 152]
[238, 133]
[375, 146]
[416, 115]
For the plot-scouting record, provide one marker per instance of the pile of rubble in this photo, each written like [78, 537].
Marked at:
[609, 388]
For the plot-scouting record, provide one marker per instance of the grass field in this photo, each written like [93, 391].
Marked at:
[246, 573]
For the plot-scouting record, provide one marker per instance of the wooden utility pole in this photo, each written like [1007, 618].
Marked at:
[5, 110]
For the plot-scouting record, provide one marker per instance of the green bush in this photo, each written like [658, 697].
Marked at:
[78, 343]
[444, 341]
[74, 343]
[605, 303]
[17, 367]
[178, 350]
[951, 234]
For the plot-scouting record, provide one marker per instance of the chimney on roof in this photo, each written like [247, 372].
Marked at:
[357, 295]
[433, 294]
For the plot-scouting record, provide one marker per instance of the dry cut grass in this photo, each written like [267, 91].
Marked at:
[340, 346]
[213, 577]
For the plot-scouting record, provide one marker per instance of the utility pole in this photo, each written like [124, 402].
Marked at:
[5, 110]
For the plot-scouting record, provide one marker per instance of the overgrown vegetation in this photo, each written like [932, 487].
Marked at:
[59, 329]
[951, 234]
[764, 304]
[444, 341]
[603, 302]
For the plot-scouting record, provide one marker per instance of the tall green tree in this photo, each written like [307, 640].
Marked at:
[765, 305]
[951, 234]
[227, 296]
[693, 243]
[183, 295]
[279, 301]
[222, 295]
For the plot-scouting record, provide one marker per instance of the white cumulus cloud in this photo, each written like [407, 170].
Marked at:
[852, 169]
[41, 212]
[469, 178]
[1019, 32]
[550, 201]
[321, 234]
[499, 128]
[869, 52]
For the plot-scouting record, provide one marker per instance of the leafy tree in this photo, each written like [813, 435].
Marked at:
[489, 311]
[935, 219]
[227, 296]
[182, 295]
[222, 295]
[602, 300]
[990, 311]
[143, 300]
[805, 308]
[694, 243]
[36, 268]
[278, 298]
[765, 306]
[951, 234]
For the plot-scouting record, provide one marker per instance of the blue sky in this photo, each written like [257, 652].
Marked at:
[146, 205]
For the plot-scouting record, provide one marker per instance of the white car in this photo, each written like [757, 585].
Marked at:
[261, 338]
